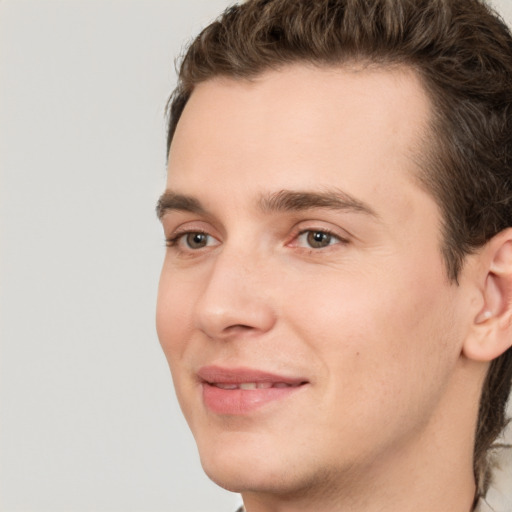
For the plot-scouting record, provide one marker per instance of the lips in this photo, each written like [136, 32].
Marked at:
[235, 391]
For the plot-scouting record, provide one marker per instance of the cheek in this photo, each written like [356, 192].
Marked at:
[174, 328]
[173, 316]
[381, 333]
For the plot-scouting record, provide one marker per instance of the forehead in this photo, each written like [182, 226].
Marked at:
[303, 127]
[302, 106]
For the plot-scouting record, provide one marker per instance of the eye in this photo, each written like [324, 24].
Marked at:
[192, 240]
[317, 239]
[196, 240]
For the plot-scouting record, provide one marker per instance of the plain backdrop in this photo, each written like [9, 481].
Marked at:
[88, 418]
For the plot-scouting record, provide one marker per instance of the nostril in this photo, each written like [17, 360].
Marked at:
[239, 328]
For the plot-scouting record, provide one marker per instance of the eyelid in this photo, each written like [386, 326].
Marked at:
[318, 225]
[179, 232]
[342, 236]
[177, 235]
[175, 225]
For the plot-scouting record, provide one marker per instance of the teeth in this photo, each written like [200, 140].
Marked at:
[264, 385]
[252, 385]
[226, 386]
[247, 385]
[256, 385]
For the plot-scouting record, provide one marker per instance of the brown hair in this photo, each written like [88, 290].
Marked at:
[462, 51]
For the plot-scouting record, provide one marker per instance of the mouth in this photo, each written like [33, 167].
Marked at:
[254, 385]
[238, 391]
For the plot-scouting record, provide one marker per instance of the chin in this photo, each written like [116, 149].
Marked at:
[248, 479]
[268, 476]
[242, 469]
[257, 465]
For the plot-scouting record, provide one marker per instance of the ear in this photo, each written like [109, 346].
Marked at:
[491, 332]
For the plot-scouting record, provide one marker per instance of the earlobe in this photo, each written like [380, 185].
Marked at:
[491, 332]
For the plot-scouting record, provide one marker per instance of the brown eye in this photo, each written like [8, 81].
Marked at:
[318, 239]
[196, 240]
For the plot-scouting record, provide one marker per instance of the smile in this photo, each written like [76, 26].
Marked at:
[240, 391]
[254, 385]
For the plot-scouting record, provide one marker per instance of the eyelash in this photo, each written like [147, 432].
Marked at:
[173, 241]
[324, 231]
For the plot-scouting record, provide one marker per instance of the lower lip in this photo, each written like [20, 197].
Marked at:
[242, 401]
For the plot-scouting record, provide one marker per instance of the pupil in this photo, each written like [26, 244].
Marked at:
[318, 239]
[196, 240]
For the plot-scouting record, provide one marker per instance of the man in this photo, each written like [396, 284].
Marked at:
[336, 298]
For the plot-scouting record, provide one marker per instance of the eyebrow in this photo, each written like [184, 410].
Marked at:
[284, 200]
[294, 201]
[169, 201]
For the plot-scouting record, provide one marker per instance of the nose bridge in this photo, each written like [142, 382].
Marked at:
[235, 296]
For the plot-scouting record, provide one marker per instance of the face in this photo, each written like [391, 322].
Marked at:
[304, 307]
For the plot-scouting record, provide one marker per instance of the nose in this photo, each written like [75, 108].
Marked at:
[235, 300]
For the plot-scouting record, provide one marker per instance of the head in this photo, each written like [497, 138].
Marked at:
[460, 53]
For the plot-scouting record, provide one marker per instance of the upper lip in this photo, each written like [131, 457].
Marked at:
[239, 375]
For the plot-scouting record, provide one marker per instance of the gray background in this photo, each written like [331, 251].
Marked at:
[88, 419]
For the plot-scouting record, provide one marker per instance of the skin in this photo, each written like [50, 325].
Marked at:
[371, 321]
